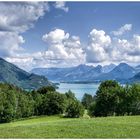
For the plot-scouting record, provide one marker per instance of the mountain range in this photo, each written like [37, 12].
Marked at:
[38, 77]
[9, 73]
[122, 73]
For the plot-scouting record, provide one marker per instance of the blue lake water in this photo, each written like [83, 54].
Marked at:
[78, 89]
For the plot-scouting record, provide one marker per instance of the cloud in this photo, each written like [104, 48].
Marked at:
[122, 30]
[62, 46]
[126, 50]
[65, 50]
[20, 16]
[62, 50]
[61, 5]
[10, 43]
[103, 48]
[55, 36]
[98, 46]
[16, 18]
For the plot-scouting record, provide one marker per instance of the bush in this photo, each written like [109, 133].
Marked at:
[74, 109]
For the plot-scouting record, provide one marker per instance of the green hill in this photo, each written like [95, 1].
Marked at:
[10, 73]
[57, 127]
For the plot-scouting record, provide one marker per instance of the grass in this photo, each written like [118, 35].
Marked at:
[57, 127]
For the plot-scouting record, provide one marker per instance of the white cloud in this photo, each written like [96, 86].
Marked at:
[16, 18]
[61, 50]
[56, 36]
[126, 50]
[103, 49]
[97, 49]
[10, 43]
[64, 50]
[20, 16]
[63, 47]
[24, 62]
[122, 30]
[61, 5]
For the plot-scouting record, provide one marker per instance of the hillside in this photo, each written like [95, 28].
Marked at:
[10, 73]
[58, 127]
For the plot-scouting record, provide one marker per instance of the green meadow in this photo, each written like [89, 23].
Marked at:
[58, 127]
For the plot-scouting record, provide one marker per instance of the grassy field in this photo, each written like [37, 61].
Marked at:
[57, 127]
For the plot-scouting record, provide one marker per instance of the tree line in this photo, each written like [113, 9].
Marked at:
[16, 103]
[110, 99]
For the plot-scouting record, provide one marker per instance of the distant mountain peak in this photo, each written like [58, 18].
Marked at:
[99, 66]
[123, 64]
[81, 65]
[108, 68]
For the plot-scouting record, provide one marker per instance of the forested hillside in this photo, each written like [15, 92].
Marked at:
[9, 73]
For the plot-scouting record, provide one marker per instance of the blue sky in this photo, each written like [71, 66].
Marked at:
[86, 32]
[82, 17]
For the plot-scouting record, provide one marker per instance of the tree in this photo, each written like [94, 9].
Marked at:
[134, 99]
[70, 95]
[53, 103]
[46, 89]
[87, 100]
[7, 103]
[7, 112]
[111, 98]
[74, 109]
[105, 99]
[38, 100]
[14, 103]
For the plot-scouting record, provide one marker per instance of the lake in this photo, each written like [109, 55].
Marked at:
[78, 89]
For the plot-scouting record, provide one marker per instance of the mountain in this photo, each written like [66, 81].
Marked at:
[108, 68]
[12, 74]
[135, 78]
[137, 68]
[83, 73]
[77, 73]
[121, 72]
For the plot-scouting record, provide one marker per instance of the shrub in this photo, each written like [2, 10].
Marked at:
[74, 109]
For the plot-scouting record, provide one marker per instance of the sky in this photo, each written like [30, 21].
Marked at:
[65, 34]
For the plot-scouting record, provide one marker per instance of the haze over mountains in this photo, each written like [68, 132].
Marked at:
[122, 73]
[10, 73]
